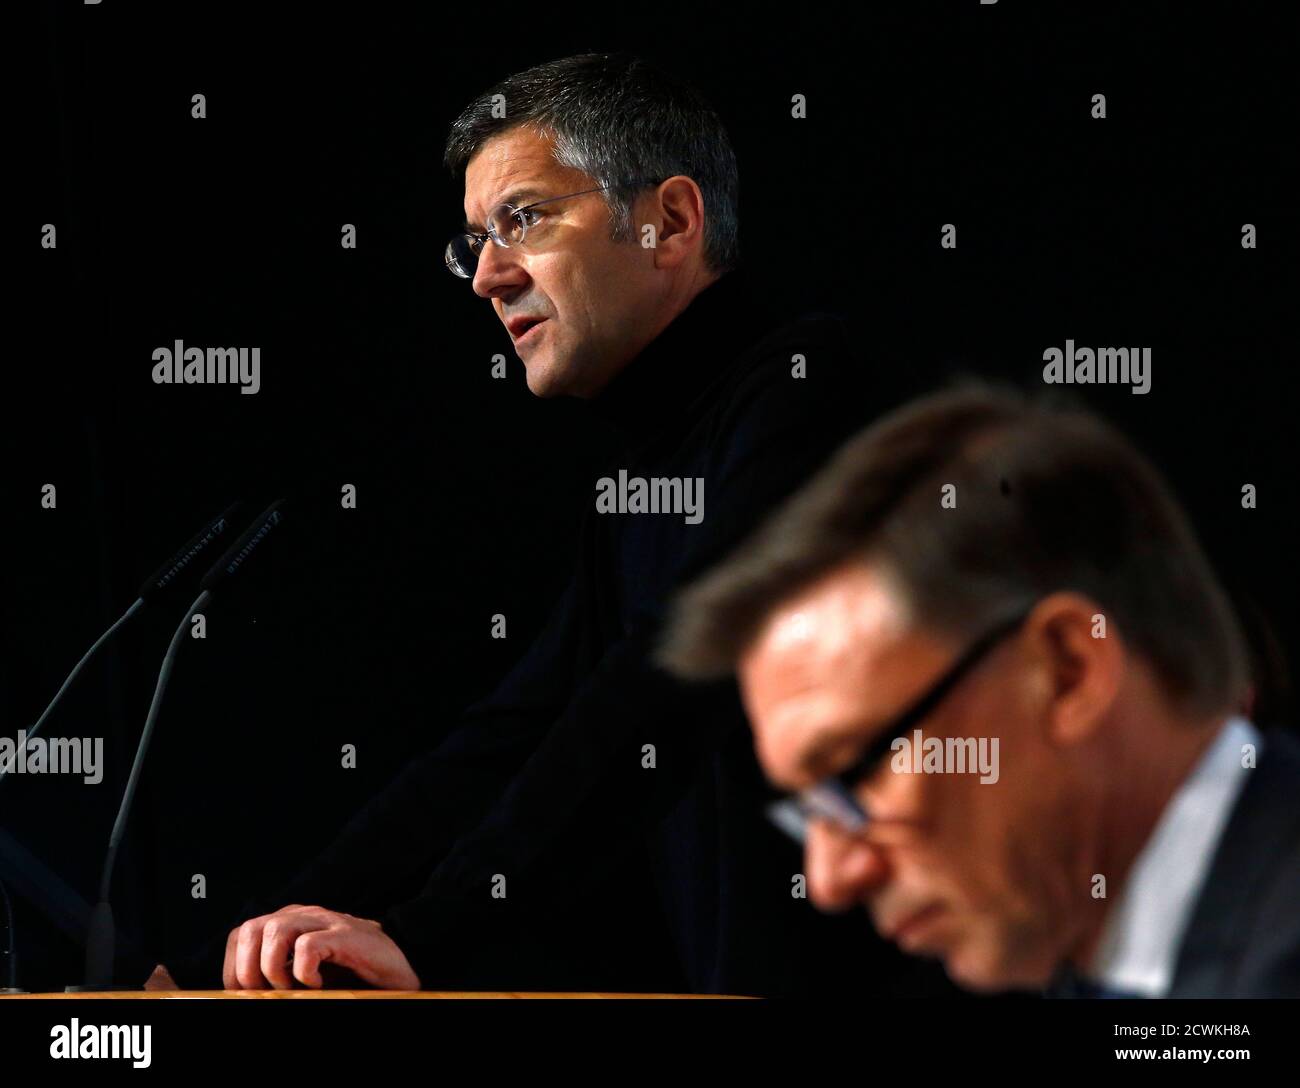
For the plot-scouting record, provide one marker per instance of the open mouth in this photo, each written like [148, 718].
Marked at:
[526, 328]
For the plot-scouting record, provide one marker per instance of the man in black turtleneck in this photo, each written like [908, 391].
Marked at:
[594, 824]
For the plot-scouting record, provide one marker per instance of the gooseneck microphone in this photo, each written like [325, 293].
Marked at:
[154, 585]
[100, 939]
[237, 554]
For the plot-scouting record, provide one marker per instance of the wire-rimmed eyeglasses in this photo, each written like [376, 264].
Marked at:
[507, 226]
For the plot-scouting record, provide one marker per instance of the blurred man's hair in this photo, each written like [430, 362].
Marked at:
[1048, 497]
[617, 119]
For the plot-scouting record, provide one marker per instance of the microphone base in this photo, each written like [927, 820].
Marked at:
[96, 989]
[13, 990]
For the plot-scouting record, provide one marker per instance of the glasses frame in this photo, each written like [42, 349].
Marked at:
[477, 240]
[832, 798]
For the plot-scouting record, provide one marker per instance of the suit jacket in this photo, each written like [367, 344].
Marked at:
[1243, 939]
[1243, 936]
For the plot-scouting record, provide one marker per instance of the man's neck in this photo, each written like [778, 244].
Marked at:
[681, 293]
[1153, 754]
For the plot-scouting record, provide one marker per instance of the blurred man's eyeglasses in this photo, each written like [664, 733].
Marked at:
[832, 798]
[507, 226]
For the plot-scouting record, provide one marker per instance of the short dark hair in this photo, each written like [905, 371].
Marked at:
[1048, 497]
[618, 119]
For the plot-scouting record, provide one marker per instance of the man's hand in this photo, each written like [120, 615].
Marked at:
[292, 943]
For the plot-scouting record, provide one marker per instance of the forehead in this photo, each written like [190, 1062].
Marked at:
[830, 659]
[851, 616]
[518, 163]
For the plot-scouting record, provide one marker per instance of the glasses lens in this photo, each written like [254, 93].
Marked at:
[826, 801]
[832, 801]
[789, 816]
[506, 225]
[462, 256]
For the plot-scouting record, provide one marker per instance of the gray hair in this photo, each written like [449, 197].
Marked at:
[1049, 497]
[619, 120]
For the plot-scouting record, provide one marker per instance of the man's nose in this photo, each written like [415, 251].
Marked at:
[842, 868]
[499, 271]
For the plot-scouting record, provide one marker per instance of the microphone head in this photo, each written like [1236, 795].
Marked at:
[202, 541]
[238, 553]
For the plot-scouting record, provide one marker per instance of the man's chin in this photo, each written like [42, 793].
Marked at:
[542, 379]
[983, 970]
[975, 978]
[546, 378]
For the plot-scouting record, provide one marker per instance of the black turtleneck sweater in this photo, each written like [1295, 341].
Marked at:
[617, 874]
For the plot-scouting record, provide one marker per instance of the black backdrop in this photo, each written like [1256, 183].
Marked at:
[371, 626]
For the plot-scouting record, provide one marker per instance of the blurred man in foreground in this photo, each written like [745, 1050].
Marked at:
[985, 647]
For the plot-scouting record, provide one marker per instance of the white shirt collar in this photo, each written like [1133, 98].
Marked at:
[1140, 938]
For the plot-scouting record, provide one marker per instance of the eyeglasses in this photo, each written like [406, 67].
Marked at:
[507, 226]
[832, 798]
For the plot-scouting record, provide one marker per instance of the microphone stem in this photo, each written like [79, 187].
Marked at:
[11, 952]
[139, 604]
[142, 749]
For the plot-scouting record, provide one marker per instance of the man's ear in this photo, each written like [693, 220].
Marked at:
[1080, 652]
[677, 215]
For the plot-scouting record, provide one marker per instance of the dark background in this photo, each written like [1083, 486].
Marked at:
[371, 627]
